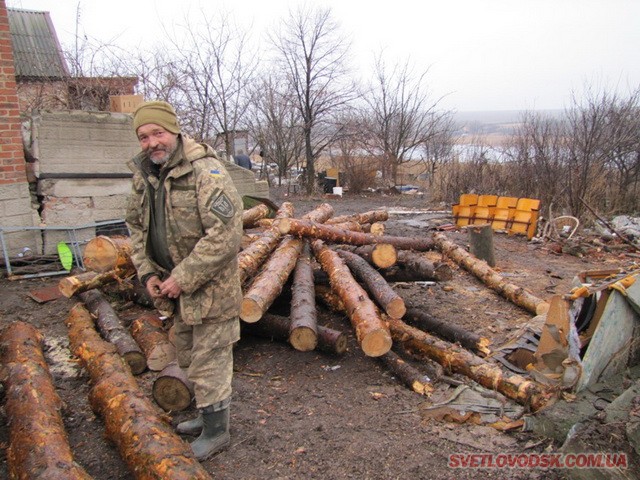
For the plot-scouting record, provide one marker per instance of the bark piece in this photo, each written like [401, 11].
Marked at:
[410, 376]
[276, 326]
[371, 332]
[518, 295]
[38, 443]
[268, 284]
[104, 253]
[452, 333]
[149, 333]
[303, 331]
[458, 360]
[329, 233]
[74, 284]
[253, 214]
[113, 331]
[377, 286]
[145, 441]
[172, 389]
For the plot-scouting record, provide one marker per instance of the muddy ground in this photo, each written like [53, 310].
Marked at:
[314, 415]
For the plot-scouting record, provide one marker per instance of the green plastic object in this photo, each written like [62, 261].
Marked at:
[66, 256]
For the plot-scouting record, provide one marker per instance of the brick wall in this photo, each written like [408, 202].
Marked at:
[12, 165]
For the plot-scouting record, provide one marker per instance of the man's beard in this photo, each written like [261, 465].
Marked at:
[161, 160]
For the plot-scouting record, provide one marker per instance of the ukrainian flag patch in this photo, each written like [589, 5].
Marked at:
[215, 173]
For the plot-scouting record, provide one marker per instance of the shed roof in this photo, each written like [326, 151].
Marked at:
[36, 50]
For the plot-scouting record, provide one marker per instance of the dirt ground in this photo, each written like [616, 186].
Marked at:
[315, 415]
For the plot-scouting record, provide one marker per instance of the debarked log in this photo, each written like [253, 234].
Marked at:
[103, 253]
[74, 284]
[381, 255]
[145, 440]
[371, 332]
[277, 327]
[518, 295]
[377, 286]
[148, 331]
[172, 389]
[364, 217]
[303, 331]
[253, 214]
[329, 233]
[268, 284]
[452, 333]
[38, 443]
[112, 330]
[458, 360]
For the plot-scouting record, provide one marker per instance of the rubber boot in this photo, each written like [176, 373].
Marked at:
[215, 431]
[190, 427]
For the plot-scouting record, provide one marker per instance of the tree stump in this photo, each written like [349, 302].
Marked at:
[481, 243]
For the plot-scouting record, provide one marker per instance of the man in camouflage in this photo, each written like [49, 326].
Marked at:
[185, 219]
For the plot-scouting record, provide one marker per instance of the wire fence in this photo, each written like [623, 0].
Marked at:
[30, 252]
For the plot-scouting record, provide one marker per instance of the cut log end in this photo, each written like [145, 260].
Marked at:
[396, 308]
[423, 388]
[136, 361]
[161, 356]
[303, 339]
[171, 394]
[376, 343]
[384, 255]
[250, 310]
[542, 308]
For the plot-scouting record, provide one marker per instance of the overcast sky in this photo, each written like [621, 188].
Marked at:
[481, 54]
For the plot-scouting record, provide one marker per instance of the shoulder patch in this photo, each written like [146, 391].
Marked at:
[215, 173]
[223, 208]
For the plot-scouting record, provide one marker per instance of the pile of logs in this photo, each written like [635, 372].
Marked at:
[345, 262]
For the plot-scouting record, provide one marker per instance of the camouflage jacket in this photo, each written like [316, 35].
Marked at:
[203, 212]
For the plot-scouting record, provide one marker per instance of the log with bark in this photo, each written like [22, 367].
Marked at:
[148, 331]
[145, 439]
[268, 284]
[131, 290]
[114, 331]
[371, 332]
[518, 295]
[381, 255]
[303, 331]
[329, 233]
[172, 389]
[277, 327]
[74, 284]
[420, 319]
[417, 263]
[103, 253]
[253, 214]
[409, 375]
[38, 443]
[375, 283]
[364, 217]
[458, 360]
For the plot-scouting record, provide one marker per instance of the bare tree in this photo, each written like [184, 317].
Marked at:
[402, 116]
[215, 66]
[275, 122]
[313, 53]
[438, 148]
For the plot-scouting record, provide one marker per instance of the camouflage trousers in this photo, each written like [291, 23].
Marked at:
[206, 352]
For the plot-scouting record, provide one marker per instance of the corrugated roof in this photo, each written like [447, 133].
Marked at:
[36, 50]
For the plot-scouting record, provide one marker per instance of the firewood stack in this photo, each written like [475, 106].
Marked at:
[346, 262]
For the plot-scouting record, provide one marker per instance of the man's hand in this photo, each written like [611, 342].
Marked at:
[154, 286]
[170, 288]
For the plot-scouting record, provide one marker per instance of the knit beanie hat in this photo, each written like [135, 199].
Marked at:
[158, 112]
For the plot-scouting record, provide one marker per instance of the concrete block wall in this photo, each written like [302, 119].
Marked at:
[15, 198]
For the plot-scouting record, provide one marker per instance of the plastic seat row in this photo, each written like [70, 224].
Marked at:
[515, 215]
